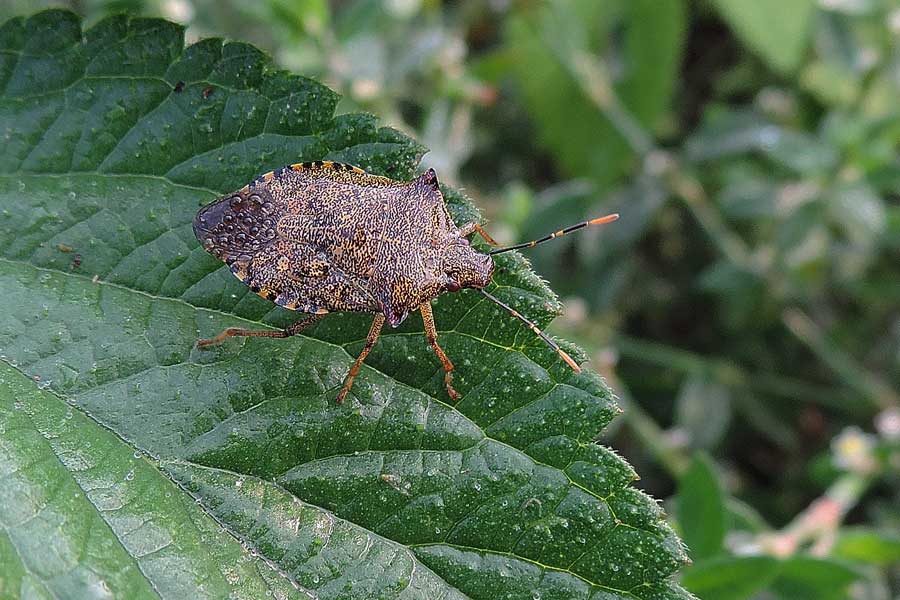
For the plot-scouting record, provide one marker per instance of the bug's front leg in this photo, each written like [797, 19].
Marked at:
[292, 329]
[431, 336]
[374, 332]
[470, 228]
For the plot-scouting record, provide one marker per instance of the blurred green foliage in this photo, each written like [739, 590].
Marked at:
[747, 304]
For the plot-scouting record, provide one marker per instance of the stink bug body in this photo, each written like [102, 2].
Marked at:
[325, 237]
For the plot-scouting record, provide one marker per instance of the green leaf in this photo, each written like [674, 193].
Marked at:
[743, 517]
[654, 44]
[867, 545]
[809, 578]
[703, 410]
[730, 577]
[794, 578]
[84, 516]
[734, 132]
[778, 30]
[701, 508]
[113, 137]
[582, 138]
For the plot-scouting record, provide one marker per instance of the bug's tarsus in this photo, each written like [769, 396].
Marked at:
[560, 233]
[431, 336]
[288, 331]
[562, 353]
[374, 332]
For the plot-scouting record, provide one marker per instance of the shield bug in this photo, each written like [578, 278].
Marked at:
[321, 237]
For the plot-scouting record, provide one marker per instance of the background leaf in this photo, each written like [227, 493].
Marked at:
[730, 577]
[879, 547]
[800, 577]
[810, 578]
[777, 29]
[703, 410]
[701, 509]
[645, 36]
[114, 137]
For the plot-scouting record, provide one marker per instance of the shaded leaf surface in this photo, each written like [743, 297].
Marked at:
[777, 29]
[83, 517]
[567, 121]
[115, 137]
[730, 577]
[701, 509]
[801, 577]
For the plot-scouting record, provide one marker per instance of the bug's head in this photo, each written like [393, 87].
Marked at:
[465, 267]
[486, 270]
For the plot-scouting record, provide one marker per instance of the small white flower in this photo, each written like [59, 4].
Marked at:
[852, 450]
[887, 423]
[178, 10]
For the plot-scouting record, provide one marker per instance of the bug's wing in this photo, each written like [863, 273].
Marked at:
[336, 292]
[300, 276]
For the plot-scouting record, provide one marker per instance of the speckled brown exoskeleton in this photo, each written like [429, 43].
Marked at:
[321, 237]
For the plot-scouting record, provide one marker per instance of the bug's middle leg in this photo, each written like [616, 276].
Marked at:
[374, 332]
[431, 336]
[288, 331]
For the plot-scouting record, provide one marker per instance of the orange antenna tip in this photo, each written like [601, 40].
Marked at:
[569, 361]
[606, 219]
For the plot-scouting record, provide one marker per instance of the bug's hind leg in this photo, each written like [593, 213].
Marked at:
[374, 332]
[292, 329]
[431, 336]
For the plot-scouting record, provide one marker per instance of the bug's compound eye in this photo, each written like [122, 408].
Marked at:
[452, 286]
[464, 241]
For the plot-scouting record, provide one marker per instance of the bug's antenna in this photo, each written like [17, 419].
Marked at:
[560, 233]
[562, 353]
